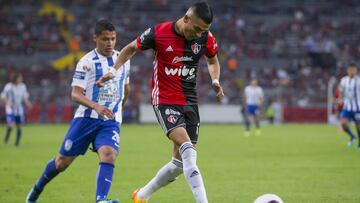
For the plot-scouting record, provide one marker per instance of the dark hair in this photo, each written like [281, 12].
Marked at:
[103, 25]
[352, 65]
[203, 11]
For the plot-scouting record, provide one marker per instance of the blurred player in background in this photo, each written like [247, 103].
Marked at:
[350, 99]
[15, 94]
[254, 99]
[98, 117]
[178, 47]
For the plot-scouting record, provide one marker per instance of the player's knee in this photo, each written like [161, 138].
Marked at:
[61, 163]
[187, 152]
[107, 156]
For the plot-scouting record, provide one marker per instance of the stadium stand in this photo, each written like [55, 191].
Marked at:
[291, 47]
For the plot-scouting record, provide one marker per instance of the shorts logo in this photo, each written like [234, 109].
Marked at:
[194, 173]
[195, 48]
[170, 111]
[68, 145]
[172, 119]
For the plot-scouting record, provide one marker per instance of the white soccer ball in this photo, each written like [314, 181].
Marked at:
[268, 198]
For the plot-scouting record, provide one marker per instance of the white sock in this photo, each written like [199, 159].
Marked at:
[192, 172]
[164, 176]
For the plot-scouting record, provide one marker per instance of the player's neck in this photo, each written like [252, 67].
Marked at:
[178, 29]
[102, 54]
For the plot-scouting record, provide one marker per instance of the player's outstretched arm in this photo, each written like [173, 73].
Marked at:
[214, 71]
[125, 54]
[78, 97]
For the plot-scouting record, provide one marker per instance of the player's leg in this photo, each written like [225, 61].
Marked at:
[169, 117]
[191, 171]
[106, 144]
[167, 174]
[18, 120]
[247, 120]
[10, 120]
[345, 117]
[52, 169]
[257, 120]
[76, 142]
[188, 152]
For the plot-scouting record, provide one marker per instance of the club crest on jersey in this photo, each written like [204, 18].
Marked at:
[196, 48]
[172, 119]
[68, 145]
[86, 68]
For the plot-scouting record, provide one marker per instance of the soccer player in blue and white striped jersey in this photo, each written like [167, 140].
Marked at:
[15, 95]
[350, 99]
[97, 119]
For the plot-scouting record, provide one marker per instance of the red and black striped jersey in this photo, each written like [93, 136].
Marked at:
[176, 62]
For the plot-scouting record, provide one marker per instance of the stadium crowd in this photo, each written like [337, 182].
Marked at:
[292, 48]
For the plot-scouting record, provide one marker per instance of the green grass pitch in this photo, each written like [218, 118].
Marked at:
[300, 163]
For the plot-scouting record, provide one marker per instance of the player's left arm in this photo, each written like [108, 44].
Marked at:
[126, 94]
[262, 98]
[214, 71]
[26, 98]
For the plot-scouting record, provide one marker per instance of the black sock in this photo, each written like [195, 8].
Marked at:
[18, 136]
[7, 136]
[349, 132]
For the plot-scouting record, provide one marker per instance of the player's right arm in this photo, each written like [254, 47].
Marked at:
[125, 54]
[5, 93]
[77, 95]
[145, 41]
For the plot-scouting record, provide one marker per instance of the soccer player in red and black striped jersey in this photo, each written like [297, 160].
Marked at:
[178, 47]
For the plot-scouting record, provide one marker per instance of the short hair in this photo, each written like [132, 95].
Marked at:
[352, 65]
[103, 25]
[203, 11]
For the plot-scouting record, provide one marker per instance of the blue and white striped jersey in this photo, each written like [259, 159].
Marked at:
[14, 96]
[350, 91]
[88, 70]
[253, 95]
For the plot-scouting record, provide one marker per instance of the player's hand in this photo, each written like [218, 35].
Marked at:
[103, 111]
[103, 79]
[219, 91]
[340, 101]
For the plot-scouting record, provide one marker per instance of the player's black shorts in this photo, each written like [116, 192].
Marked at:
[173, 116]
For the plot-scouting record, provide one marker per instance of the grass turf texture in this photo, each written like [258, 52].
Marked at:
[300, 163]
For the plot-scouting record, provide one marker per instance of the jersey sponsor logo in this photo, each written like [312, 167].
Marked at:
[68, 145]
[182, 58]
[110, 92]
[182, 71]
[196, 48]
[171, 112]
[169, 49]
[172, 119]
[142, 37]
[79, 75]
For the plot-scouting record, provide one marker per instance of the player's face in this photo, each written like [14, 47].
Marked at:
[254, 82]
[19, 79]
[352, 71]
[105, 42]
[194, 27]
